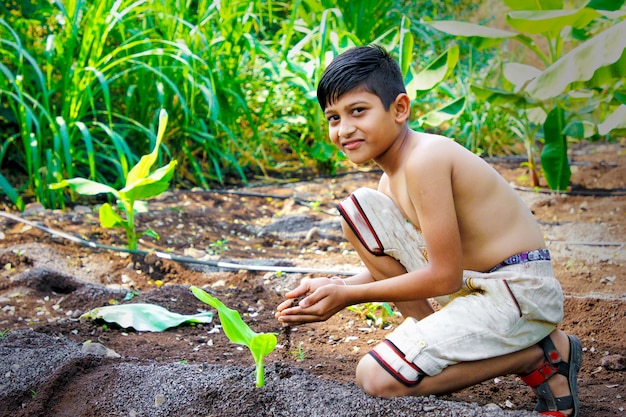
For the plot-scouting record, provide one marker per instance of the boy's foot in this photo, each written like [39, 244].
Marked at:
[563, 373]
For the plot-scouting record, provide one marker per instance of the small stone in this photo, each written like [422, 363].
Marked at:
[614, 362]
[98, 349]
[159, 399]
[33, 209]
[80, 209]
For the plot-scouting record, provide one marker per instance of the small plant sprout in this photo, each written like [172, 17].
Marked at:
[260, 344]
[218, 247]
[373, 313]
[299, 352]
[141, 184]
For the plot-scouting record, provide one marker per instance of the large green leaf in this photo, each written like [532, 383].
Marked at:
[554, 159]
[534, 22]
[436, 71]
[480, 36]
[580, 63]
[534, 4]
[447, 112]
[608, 74]
[145, 317]
[497, 97]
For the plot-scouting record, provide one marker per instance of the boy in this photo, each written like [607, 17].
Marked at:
[444, 225]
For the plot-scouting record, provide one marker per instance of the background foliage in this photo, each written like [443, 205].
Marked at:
[82, 83]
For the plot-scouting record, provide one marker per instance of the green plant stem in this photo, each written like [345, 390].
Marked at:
[260, 373]
[131, 234]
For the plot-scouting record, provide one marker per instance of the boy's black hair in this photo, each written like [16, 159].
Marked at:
[370, 68]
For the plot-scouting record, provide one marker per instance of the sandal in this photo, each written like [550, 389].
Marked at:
[548, 405]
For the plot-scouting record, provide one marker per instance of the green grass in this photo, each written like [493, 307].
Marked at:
[82, 83]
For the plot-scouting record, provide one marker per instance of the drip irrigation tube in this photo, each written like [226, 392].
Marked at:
[178, 258]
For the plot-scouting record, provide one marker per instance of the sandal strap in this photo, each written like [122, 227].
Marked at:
[553, 413]
[540, 375]
[552, 365]
[547, 401]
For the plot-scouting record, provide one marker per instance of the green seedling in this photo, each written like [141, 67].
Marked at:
[4, 333]
[141, 184]
[260, 344]
[218, 247]
[299, 353]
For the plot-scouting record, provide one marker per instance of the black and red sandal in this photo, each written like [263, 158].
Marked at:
[548, 405]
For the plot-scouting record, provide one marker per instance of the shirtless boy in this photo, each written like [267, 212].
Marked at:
[442, 225]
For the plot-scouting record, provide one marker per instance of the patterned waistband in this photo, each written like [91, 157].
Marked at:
[520, 258]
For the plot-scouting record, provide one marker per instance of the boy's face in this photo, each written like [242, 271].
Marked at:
[360, 127]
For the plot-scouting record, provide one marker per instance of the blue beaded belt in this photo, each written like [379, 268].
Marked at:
[520, 258]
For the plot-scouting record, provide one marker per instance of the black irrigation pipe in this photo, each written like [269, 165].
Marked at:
[177, 258]
[619, 192]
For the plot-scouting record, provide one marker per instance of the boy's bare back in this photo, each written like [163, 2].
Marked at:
[440, 185]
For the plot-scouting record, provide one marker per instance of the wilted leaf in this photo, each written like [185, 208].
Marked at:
[145, 317]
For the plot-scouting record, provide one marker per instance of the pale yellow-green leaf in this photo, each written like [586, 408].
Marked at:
[145, 317]
[142, 169]
[109, 218]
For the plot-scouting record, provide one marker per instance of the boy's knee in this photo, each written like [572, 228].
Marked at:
[376, 381]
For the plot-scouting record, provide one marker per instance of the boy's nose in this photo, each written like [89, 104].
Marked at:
[346, 129]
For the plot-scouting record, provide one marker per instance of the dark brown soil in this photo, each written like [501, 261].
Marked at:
[48, 281]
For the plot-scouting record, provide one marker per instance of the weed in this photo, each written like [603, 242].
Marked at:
[218, 247]
[299, 352]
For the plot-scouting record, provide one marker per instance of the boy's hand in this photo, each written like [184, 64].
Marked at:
[322, 300]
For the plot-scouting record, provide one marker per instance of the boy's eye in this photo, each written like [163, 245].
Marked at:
[332, 118]
[358, 110]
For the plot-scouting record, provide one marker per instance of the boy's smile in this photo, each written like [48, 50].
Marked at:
[359, 125]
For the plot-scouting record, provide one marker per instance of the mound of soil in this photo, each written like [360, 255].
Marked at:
[248, 247]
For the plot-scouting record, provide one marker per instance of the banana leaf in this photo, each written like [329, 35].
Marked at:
[144, 317]
[482, 37]
[580, 63]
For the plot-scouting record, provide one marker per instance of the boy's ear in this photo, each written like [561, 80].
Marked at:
[402, 106]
